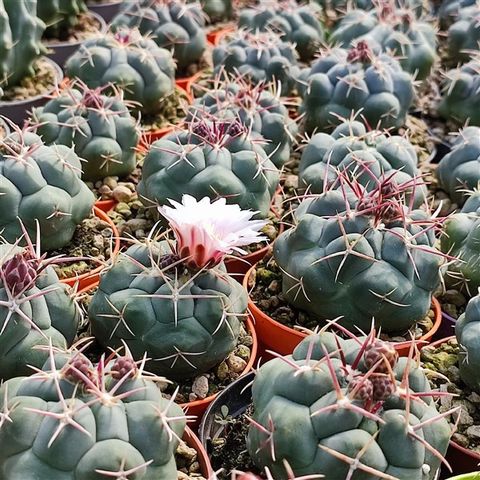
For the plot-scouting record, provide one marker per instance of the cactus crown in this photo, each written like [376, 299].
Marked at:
[260, 40]
[361, 52]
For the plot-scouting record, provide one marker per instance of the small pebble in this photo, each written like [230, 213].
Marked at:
[236, 364]
[200, 386]
[121, 193]
[111, 182]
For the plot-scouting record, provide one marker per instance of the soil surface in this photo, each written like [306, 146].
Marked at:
[42, 82]
[86, 26]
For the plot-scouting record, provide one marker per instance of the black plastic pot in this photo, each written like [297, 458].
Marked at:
[61, 51]
[18, 110]
[106, 10]
[236, 397]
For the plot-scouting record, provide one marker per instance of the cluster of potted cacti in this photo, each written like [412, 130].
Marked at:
[257, 219]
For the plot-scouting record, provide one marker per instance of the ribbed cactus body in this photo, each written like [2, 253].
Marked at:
[350, 149]
[464, 34]
[461, 94]
[348, 265]
[459, 170]
[416, 6]
[262, 112]
[185, 322]
[60, 15]
[135, 64]
[306, 424]
[40, 311]
[118, 426]
[260, 56]
[217, 10]
[461, 239]
[412, 42]
[188, 163]
[99, 128]
[467, 330]
[342, 83]
[20, 45]
[298, 24]
[41, 183]
[172, 24]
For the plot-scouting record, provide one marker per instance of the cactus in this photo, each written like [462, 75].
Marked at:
[464, 34]
[461, 239]
[177, 305]
[448, 11]
[260, 56]
[298, 24]
[35, 308]
[20, 44]
[392, 30]
[98, 127]
[60, 15]
[354, 151]
[458, 172]
[466, 331]
[341, 6]
[172, 24]
[217, 10]
[209, 158]
[361, 259]
[73, 420]
[40, 183]
[347, 409]
[258, 107]
[344, 82]
[461, 94]
[126, 59]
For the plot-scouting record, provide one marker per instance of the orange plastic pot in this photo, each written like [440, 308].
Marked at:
[274, 336]
[87, 278]
[460, 458]
[197, 408]
[215, 37]
[187, 83]
[106, 205]
[202, 458]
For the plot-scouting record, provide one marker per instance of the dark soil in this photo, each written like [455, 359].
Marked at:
[227, 448]
[91, 239]
[267, 295]
[86, 26]
[443, 359]
[205, 63]
[41, 83]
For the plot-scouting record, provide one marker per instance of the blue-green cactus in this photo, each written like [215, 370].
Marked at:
[187, 322]
[298, 24]
[217, 10]
[418, 7]
[40, 183]
[461, 239]
[459, 171]
[460, 101]
[258, 107]
[342, 83]
[209, 158]
[35, 310]
[365, 259]
[131, 62]
[260, 56]
[20, 44]
[363, 155]
[60, 15]
[464, 35]
[172, 24]
[448, 11]
[99, 128]
[73, 420]
[392, 30]
[467, 329]
[346, 409]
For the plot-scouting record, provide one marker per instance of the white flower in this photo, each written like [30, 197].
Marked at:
[206, 232]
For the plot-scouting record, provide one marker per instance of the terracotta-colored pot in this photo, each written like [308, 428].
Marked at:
[198, 407]
[187, 83]
[272, 335]
[87, 278]
[193, 442]
[460, 458]
[216, 36]
[106, 205]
